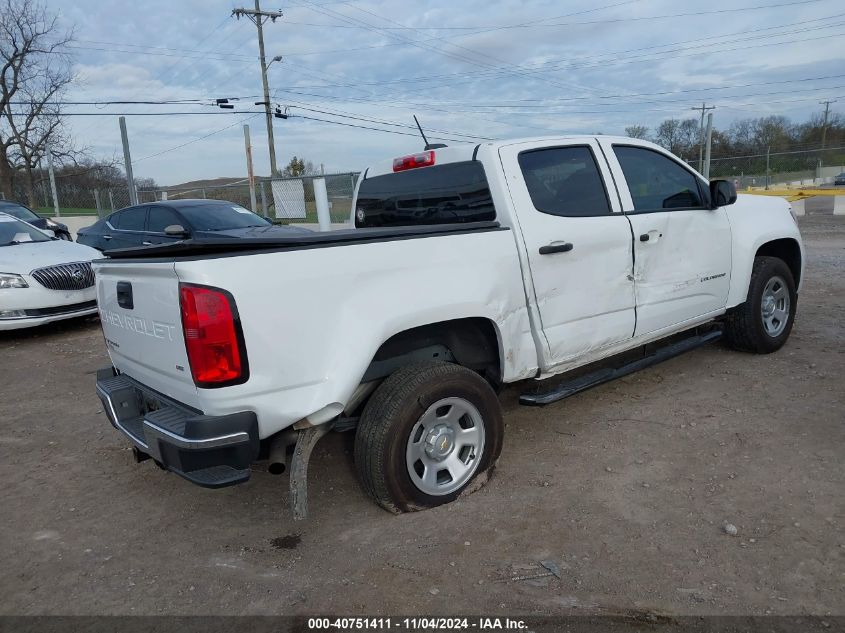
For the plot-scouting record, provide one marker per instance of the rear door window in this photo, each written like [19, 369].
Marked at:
[134, 219]
[114, 219]
[564, 181]
[441, 194]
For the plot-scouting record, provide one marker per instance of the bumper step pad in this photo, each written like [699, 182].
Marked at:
[217, 476]
[210, 451]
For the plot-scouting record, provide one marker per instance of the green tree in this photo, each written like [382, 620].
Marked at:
[296, 167]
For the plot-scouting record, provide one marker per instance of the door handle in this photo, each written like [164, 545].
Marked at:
[556, 248]
[644, 237]
[146, 243]
[106, 237]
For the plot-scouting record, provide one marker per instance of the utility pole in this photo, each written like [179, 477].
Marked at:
[127, 162]
[259, 17]
[706, 172]
[53, 183]
[826, 105]
[250, 174]
[768, 154]
[704, 107]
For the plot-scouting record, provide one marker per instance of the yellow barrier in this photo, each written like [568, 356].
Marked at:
[795, 194]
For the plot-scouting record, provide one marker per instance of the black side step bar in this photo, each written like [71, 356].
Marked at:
[566, 389]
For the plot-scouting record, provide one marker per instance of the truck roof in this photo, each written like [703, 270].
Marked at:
[457, 153]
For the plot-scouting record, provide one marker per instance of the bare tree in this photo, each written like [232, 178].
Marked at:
[690, 133]
[34, 74]
[637, 131]
[669, 135]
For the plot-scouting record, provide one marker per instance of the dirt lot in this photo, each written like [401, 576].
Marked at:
[626, 487]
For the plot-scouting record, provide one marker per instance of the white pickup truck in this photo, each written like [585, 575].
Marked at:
[468, 268]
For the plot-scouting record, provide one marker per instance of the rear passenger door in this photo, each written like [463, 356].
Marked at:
[578, 244]
[129, 228]
[682, 247]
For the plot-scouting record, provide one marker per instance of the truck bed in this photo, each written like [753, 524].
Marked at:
[298, 241]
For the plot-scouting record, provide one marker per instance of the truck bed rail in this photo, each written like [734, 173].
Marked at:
[244, 245]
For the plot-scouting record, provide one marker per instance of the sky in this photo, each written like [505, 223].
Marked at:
[469, 69]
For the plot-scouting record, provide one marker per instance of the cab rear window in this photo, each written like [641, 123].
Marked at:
[441, 194]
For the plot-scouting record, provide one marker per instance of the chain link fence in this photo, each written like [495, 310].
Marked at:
[297, 203]
[100, 202]
[779, 169]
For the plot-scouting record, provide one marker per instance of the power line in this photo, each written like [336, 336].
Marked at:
[171, 49]
[425, 46]
[205, 56]
[487, 29]
[391, 123]
[196, 140]
[375, 129]
[616, 57]
[621, 57]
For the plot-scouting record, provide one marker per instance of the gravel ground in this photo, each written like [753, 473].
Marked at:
[627, 488]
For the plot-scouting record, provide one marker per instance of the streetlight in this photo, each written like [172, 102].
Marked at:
[266, 103]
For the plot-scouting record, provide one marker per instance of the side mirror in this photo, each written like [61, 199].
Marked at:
[176, 230]
[49, 232]
[722, 193]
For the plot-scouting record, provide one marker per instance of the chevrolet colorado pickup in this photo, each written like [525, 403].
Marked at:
[468, 268]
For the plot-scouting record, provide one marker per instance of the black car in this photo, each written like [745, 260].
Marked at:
[29, 216]
[839, 179]
[174, 220]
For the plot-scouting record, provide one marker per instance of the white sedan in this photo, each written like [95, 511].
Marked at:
[42, 279]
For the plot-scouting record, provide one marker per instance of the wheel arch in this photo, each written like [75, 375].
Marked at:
[473, 342]
[788, 250]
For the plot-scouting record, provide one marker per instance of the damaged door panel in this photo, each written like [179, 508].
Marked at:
[578, 244]
[682, 247]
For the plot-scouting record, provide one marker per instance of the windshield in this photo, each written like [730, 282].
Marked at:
[18, 211]
[220, 217]
[13, 231]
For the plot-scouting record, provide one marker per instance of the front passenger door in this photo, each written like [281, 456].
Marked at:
[158, 219]
[682, 247]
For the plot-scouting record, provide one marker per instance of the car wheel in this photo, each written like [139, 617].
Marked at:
[430, 432]
[763, 323]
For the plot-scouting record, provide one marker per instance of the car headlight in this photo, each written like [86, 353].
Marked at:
[11, 280]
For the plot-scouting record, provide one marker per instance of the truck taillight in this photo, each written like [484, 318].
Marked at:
[213, 336]
[423, 159]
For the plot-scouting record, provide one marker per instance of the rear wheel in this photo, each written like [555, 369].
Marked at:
[428, 433]
[763, 323]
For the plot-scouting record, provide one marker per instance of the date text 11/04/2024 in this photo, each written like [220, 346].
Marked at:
[417, 623]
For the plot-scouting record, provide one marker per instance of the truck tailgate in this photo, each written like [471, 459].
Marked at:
[142, 324]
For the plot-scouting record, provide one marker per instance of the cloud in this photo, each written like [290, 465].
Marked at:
[568, 68]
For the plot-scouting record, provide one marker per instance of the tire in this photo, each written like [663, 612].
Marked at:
[404, 472]
[746, 326]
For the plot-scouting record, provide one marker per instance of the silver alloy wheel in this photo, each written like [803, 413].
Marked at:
[445, 446]
[775, 306]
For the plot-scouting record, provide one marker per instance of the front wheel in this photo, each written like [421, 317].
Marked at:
[428, 433]
[763, 323]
